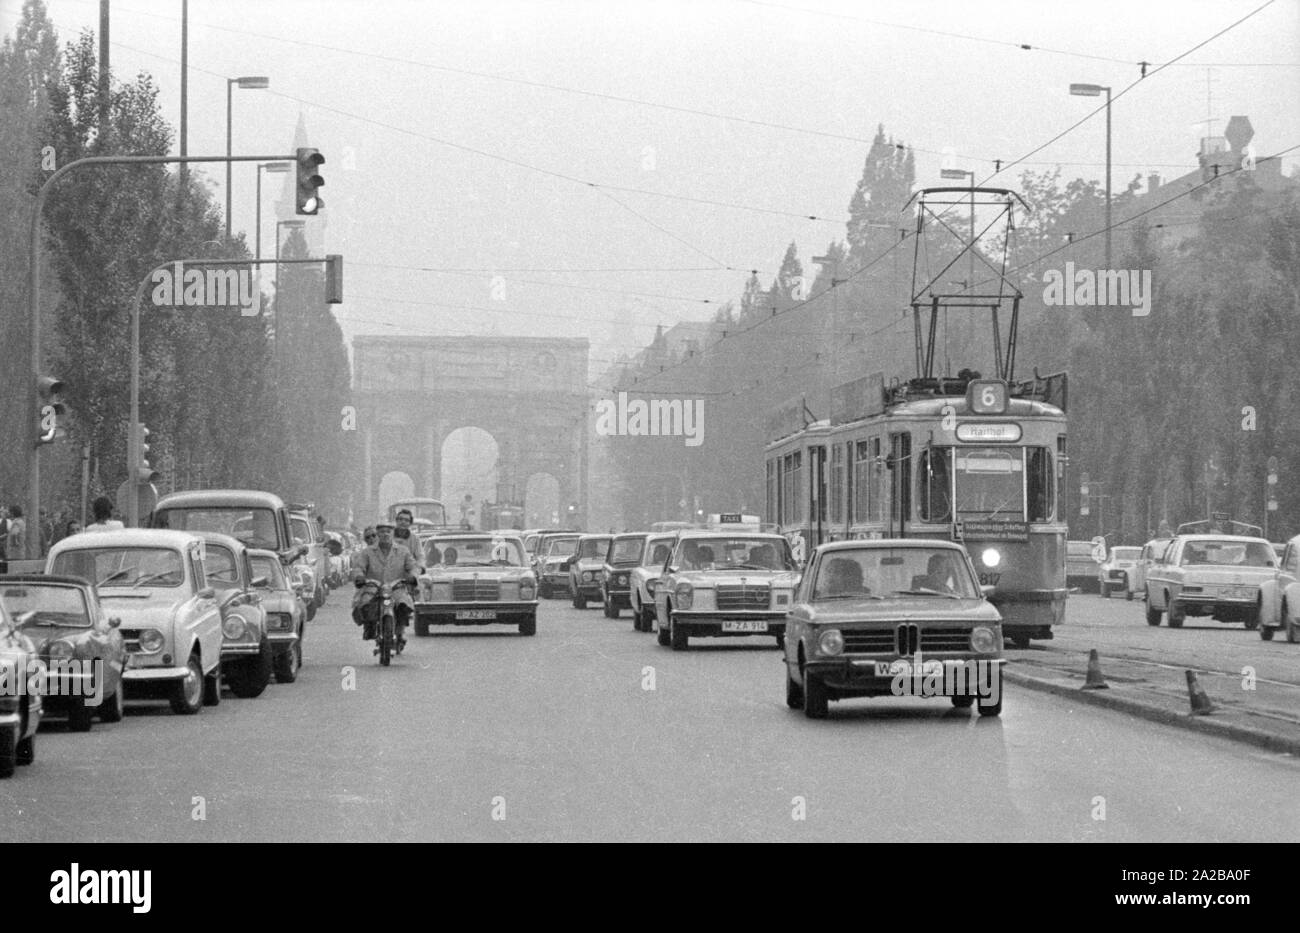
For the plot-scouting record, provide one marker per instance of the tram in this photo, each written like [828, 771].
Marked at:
[977, 460]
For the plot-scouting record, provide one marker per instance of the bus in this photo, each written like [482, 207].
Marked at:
[976, 460]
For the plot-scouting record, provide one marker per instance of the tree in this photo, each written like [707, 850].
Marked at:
[881, 192]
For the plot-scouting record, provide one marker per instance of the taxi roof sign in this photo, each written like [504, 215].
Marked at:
[735, 521]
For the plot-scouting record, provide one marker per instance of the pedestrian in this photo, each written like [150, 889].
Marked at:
[17, 532]
[103, 512]
[73, 527]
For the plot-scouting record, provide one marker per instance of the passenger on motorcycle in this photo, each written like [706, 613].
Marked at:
[387, 562]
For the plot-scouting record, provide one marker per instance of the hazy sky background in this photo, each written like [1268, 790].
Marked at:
[384, 91]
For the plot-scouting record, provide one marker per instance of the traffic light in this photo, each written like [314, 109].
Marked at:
[308, 181]
[334, 279]
[144, 472]
[52, 411]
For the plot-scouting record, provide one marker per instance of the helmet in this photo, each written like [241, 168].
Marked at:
[384, 522]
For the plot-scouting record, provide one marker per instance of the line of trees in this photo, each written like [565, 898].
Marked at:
[230, 400]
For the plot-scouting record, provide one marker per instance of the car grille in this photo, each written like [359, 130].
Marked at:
[742, 597]
[945, 640]
[877, 642]
[475, 590]
[906, 640]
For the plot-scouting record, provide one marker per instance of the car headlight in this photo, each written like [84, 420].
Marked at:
[233, 628]
[991, 557]
[59, 648]
[650, 585]
[527, 589]
[621, 580]
[586, 576]
[151, 641]
[684, 595]
[830, 641]
[983, 639]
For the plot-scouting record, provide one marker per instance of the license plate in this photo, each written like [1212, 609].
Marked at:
[476, 614]
[894, 668]
[744, 625]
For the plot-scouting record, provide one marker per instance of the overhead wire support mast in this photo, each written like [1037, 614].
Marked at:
[923, 293]
[34, 302]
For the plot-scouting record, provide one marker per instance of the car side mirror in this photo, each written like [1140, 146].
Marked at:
[261, 582]
[207, 593]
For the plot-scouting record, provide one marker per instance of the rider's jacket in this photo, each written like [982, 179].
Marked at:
[372, 564]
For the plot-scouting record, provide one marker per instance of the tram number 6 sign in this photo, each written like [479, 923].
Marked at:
[986, 397]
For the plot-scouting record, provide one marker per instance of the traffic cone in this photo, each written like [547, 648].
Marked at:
[1095, 681]
[1201, 704]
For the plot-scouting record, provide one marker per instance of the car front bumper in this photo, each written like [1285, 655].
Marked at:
[860, 674]
[621, 598]
[717, 624]
[477, 613]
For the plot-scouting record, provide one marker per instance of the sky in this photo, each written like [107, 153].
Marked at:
[598, 168]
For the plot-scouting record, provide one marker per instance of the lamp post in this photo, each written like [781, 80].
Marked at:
[256, 82]
[1094, 90]
[277, 168]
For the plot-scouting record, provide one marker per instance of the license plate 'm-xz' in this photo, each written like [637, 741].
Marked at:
[744, 625]
[477, 615]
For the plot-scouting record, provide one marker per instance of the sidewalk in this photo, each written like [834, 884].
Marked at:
[1267, 716]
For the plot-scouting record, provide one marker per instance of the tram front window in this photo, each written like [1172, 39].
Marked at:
[990, 483]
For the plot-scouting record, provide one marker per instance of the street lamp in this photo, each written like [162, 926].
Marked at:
[274, 167]
[1094, 90]
[256, 82]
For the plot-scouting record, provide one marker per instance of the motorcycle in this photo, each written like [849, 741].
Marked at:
[386, 643]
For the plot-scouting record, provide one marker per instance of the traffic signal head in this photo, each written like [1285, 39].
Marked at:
[144, 472]
[52, 409]
[308, 202]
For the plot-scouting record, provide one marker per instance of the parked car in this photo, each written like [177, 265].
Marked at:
[307, 532]
[476, 578]
[246, 653]
[644, 577]
[153, 580]
[1113, 573]
[22, 689]
[725, 583]
[1279, 597]
[1080, 567]
[585, 569]
[286, 613]
[1210, 575]
[1151, 552]
[81, 646]
[870, 615]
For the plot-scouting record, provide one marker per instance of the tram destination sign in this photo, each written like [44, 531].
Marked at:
[995, 531]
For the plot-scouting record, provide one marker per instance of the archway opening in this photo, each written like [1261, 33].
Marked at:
[469, 473]
[542, 502]
[394, 485]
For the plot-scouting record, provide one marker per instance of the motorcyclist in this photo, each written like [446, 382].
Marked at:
[388, 562]
[404, 534]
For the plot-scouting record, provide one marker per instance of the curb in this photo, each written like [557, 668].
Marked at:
[1152, 713]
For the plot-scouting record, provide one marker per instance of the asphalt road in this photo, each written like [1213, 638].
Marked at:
[481, 734]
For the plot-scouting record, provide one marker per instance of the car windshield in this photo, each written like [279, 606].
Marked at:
[473, 552]
[626, 551]
[54, 604]
[561, 547]
[219, 567]
[1125, 553]
[591, 548]
[122, 566]
[733, 553]
[897, 571]
[254, 527]
[269, 567]
[1228, 553]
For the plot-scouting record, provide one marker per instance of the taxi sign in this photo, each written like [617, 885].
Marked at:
[734, 519]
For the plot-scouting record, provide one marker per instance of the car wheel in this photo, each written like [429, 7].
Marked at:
[289, 663]
[993, 709]
[611, 611]
[1252, 622]
[25, 751]
[1128, 595]
[421, 627]
[544, 590]
[81, 715]
[1291, 634]
[1176, 614]
[1265, 632]
[529, 625]
[190, 692]
[816, 699]
[780, 641]
[1153, 615]
[8, 750]
[677, 635]
[664, 636]
[793, 692]
[963, 702]
[311, 611]
[112, 709]
[1105, 591]
[579, 601]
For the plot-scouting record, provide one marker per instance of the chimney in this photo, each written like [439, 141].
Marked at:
[1153, 182]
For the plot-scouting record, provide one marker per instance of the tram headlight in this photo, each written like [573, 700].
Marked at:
[830, 641]
[983, 639]
[991, 557]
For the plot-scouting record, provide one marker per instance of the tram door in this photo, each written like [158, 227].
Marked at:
[900, 483]
[816, 494]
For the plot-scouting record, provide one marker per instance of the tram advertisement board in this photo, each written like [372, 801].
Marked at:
[995, 531]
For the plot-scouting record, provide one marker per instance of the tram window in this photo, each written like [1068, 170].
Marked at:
[837, 484]
[990, 483]
[901, 458]
[1041, 484]
[791, 488]
[862, 477]
[933, 482]
[773, 503]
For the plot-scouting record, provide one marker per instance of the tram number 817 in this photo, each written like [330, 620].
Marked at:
[989, 579]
